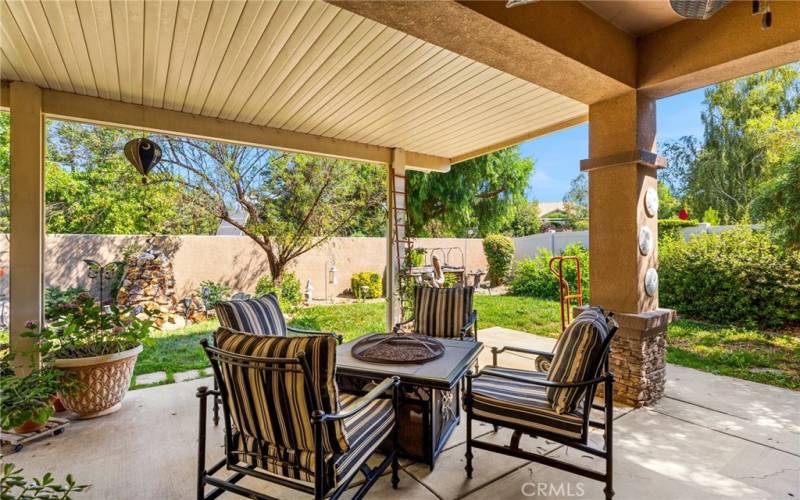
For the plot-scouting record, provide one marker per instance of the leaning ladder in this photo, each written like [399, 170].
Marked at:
[403, 243]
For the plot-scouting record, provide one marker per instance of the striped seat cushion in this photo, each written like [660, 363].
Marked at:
[366, 430]
[442, 312]
[520, 405]
[261, 316]
[577, 358]
[271, 410]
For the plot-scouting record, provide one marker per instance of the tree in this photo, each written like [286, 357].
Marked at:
[294, 202]
[91, 188]
[576, 201]
[526, 219]
[748, 122]
[779, 201]
[668, 205]
[480, 193]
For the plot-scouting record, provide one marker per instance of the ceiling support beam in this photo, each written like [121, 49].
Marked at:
[535, 42]
[693, 54]
[67, 106]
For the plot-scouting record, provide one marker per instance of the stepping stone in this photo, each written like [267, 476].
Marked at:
[151, 378]
[187, 375]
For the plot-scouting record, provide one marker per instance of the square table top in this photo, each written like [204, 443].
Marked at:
[441, 373]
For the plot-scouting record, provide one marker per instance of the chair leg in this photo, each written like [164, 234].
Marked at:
[609, 437]
[201, 444]
[216, 403]
[395, 438]
[468, 454]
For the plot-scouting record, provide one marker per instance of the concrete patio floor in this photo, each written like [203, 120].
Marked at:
[710, 437]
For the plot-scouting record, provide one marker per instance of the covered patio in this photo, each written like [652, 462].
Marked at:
[409, 85]
[708, 437]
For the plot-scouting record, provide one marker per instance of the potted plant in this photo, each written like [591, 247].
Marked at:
[97, 347]
[26, 402]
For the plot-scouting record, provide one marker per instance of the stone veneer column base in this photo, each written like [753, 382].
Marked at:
[638, 357]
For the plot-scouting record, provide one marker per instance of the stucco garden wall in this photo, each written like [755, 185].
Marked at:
[235, 260]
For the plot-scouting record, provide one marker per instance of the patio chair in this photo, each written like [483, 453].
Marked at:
[259, 316]
[285, 422]
[443, 312]
[554, 405]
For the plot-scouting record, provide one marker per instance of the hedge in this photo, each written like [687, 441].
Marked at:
[736, 276]
[499, 252]
[532, 277]
[288, 290]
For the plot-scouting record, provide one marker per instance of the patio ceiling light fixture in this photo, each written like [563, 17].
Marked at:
[697, 9]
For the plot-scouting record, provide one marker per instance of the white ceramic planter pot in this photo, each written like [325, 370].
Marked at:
[105, 380]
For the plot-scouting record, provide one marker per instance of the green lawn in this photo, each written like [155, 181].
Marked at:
[762, 356]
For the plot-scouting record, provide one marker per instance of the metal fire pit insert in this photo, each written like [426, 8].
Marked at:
[398, 349]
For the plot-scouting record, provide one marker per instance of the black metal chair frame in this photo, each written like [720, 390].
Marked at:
[321, 488]
[582, 443]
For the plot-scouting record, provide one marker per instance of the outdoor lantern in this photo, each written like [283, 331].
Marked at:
[144, 154]
[332, 278]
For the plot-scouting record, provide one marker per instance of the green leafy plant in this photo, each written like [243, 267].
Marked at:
[499, 252]
[372, 282]
[711, 216]
[416, 257]
[14, 486]
[56, 300]
[28, 398]
[287, 290]
[213, 292]
[532, 277]
[86, 329]
[450, 280]
[738, 276]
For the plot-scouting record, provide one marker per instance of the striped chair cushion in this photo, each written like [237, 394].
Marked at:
[441, 312]
[261, 316]
[520, 405]
[577, 358]
[271, 411]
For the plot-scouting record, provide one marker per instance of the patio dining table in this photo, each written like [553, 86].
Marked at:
[430, 406]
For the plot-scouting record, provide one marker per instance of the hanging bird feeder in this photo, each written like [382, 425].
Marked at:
[144, 154]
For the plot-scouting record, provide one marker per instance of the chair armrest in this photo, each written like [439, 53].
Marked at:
[496, 351]
[301, 331]
[360, 403]
[396, 328]
[545, 382]
[473, 318]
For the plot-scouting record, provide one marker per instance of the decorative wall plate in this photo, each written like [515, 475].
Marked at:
[651, 202]
[645, 241]
[651, 282]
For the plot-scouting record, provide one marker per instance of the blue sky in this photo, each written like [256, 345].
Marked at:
[558, 155]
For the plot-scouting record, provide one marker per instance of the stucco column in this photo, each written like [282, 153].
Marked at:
[27, 216]
[623, 240]
[394, 232]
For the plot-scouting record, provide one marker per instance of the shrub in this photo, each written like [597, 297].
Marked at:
[711, 216]
[213, 292]
[499, 251]
[670, 228]
[532, 277]
[737, 276]
[369, 279]
[288, 290]
[450, 280]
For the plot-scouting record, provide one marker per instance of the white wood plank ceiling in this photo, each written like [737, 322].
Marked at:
[302, 66]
